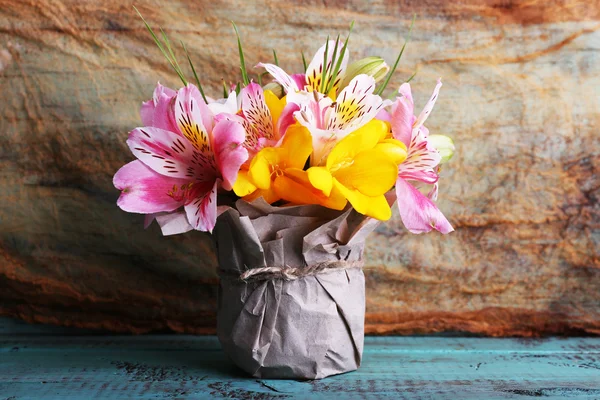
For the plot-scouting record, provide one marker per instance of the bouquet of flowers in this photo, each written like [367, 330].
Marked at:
[291, 176]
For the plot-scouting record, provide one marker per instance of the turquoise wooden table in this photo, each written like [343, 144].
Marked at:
[58, 363]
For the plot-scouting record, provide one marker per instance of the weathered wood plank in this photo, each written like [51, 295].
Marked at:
[194, 367]
[520, 97]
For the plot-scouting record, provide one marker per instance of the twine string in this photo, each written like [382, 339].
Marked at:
[290, 273]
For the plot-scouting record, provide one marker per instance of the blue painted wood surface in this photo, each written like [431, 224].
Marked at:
[59, 363]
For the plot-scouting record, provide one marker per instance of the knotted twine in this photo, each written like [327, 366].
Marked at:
[291, 273]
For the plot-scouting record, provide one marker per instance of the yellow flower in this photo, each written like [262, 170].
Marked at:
[362, 167]
[276, 173]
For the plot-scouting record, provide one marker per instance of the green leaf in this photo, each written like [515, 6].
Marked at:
[412, 76]
[168, 55]
[275, 58]
[194, 71]
[304, 61]
[338, 65]
[389, 76]
[332, 65]
[241, 51]
[324, 71]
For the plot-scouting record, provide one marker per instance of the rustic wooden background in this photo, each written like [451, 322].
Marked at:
[521, 97]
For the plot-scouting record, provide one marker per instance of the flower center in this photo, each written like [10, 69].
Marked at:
[276, 170]
[182, 193]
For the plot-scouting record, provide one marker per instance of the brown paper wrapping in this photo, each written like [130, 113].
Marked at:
[307, 328]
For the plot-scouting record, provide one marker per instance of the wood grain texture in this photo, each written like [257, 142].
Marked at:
[43, 363]
[520, 98]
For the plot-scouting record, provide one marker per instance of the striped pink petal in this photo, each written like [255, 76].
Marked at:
[193, 117]
[419, 214]
[421, 161]
[258, 115]
[202, 210]
[428, 107]
[170, 154]
[144, 191]
[355, 106]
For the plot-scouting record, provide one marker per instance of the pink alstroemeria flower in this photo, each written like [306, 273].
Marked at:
[183, 166]
[263, 127]
[418, 212]
[311, 81]
[328, 120]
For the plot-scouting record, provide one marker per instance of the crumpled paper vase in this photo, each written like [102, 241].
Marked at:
[310, 327]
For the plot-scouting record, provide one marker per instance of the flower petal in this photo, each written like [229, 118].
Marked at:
[321, 179]
[286, 118]
[418, 213]
[402, 115]
[243, 186]
[194, 118]
[297, 143]
[314, 71]
[372, 173]
[421, 161]
[300, 80]
[256, 112]
[288, 83]
[364, 138]
[375, 207]
[355, 106]
[295, 187]
[202, 210]
[268, 195]
[228, 137]
[173, 223]
[169, 154]
[394, 149]
[145, 191]
[158, 112]
[260, 167]
[225, 106]
[275, 106]
[147, 113]
[428, 107]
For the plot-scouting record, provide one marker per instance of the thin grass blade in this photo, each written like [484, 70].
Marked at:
[241, 51]
[389, 75]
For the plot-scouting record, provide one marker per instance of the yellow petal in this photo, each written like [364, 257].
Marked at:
[243, 186]
[269, 195]
[260, 171]
[375, 207]
[295, 187]
[321, 179]
[297, 143]
[361, 139]
[394, 149]
[371, 172]
[274, 104]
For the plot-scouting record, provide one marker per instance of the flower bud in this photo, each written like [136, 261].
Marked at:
[372, 66]
[276, 88]
[444, 145]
